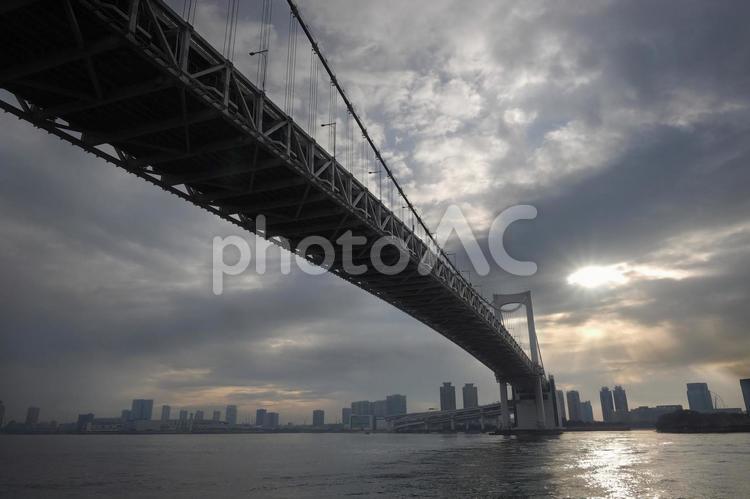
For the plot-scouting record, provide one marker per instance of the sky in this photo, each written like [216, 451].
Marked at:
[624, 123]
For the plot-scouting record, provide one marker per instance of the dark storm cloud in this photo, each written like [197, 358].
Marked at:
[624, 123]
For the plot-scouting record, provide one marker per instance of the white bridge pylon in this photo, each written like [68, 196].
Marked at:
[535, 400]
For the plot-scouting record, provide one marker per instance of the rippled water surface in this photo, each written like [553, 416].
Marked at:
[601, 464]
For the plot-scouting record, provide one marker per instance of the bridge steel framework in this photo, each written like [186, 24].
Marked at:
[131, 82]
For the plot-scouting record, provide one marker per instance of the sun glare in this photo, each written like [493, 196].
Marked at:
[596, 276]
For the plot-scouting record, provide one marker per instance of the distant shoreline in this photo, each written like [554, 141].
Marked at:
[741, 429]
[701, 422]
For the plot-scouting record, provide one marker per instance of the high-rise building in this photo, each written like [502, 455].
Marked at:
[319, 417]
[271, 420]
[378, 408]
[471, 397]
[125, 415]
[198, 415]
[362, 408]
[260, 417]
[621, 401]
[2, 413]
[165, 412]
[141, 410]
[395, 404]
[699, 397]
[183, 415]
[32, 415]
[560, 397]
[447, 397]
[574, 405]
[346, 413]
[216, 416]
[608, 406]
[587, 412]
[231, 414]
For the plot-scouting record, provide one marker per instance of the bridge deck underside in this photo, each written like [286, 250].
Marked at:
[80, 76]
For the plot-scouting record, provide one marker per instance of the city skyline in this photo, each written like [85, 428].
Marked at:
[570, 403]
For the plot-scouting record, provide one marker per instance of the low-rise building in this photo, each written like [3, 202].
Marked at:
[361, 422]
[647, 416]
[106, 425]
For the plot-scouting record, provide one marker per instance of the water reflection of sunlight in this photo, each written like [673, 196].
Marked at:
[615, 466]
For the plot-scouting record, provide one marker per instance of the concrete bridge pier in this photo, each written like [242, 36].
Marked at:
[504, 409]
[535, 405]
[539, 402]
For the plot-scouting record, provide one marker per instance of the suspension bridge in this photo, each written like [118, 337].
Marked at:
[135, 84]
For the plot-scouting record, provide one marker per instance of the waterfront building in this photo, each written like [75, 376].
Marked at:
[346, 413]
[271, 420]
[395, 405]
[216, 416]
[574, 405]
[361, 422]
[362, 408]
[608, 406]
[621, 399]
[183, 415]
[470, 396]
[125, 415]
[106, 425]
[165, 412]
[647, 416]
[32, 416]
[728, 410]
[378, 408]
[699, 397]
[2, 413]
[231, 414]
[84, 422]
[318, 417]
[260, 417]
[587, 412]
[141, 410]
[146, 425]
[198, 415]
[560, 397]
[447, 397]
[744, 385]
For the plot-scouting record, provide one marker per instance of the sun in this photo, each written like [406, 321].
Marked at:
[596, 276]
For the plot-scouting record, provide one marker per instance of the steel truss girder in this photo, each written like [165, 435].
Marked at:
[31, 68]
[218, 173]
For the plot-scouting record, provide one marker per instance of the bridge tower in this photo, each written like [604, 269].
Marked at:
[534, 398]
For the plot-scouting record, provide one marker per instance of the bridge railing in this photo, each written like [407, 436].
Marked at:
[171, 40]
